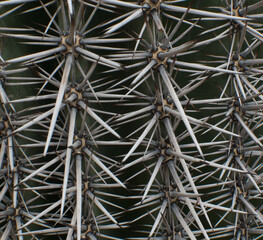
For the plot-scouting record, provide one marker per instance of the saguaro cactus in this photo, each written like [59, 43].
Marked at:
[131, 120]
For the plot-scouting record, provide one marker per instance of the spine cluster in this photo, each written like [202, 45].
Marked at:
[131, 120]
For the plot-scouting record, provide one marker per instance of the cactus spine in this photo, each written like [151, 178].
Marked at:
[131, 120]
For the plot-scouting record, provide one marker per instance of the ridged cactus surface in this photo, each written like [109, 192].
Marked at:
[131, 119]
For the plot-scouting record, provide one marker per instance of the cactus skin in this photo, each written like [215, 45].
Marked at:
[131, 120]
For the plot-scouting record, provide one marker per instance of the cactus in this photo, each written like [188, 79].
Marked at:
[131, 120]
